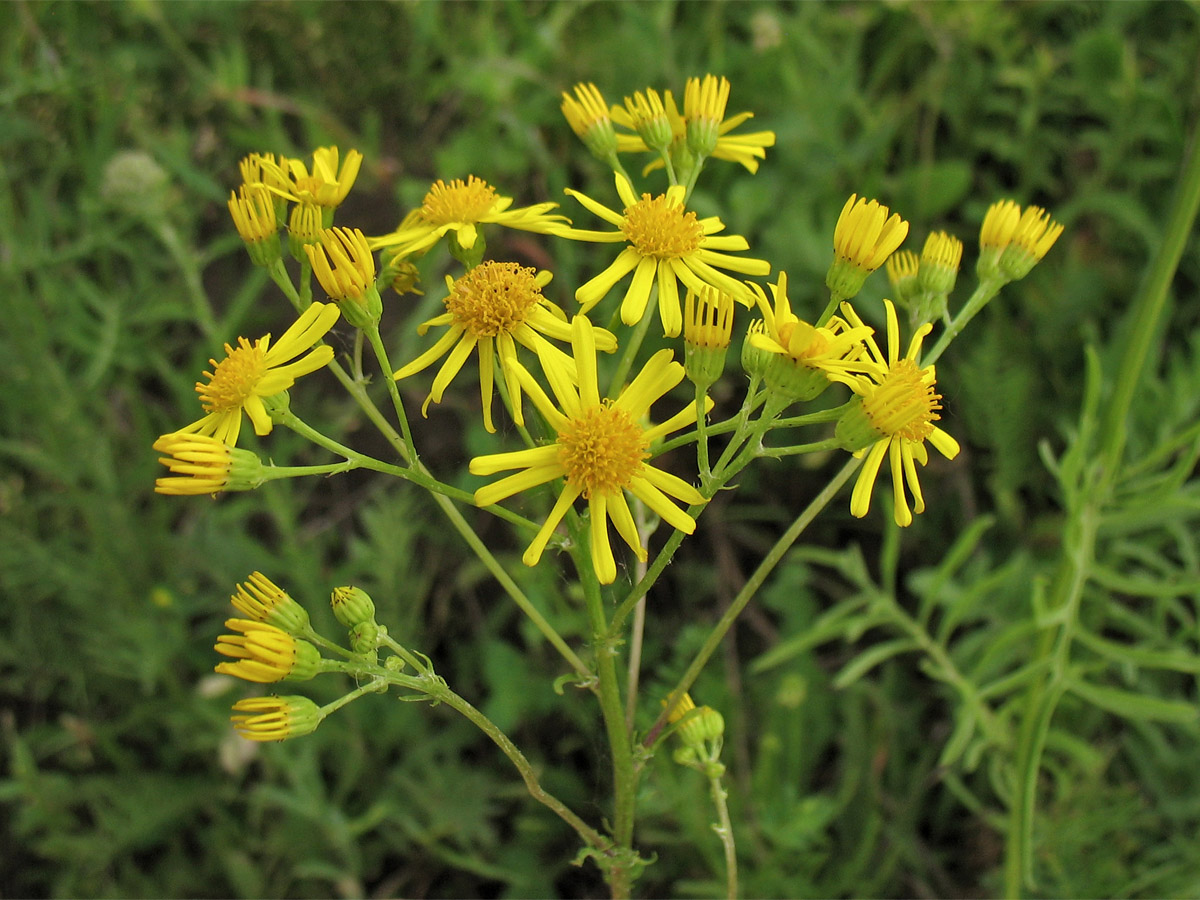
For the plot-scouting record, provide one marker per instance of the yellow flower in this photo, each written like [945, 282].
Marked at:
[1012, 242]
[894, 418]
[253, 213]
[305, 225]
[667, 243]
[264, 653]
[254, 371]
[862, 241]
[707, 332]
[903, 268]
[327, 185]
[744, 149]
[264, 601]
[205, 465]
[940, 259]
[833, 348]
[647, 116]
[275, 718]
[587, 114]
[345, 268]
[601, 450]
[494, 307]
[461, 207]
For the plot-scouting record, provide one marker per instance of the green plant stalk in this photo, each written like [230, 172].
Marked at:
[376, 342]
[437, 689]
[632, 347]
[461, 526]
[768, 564]
[609, 691]
[702, 434]
[1079, 548]
[1148, 311]
[724, 830]
[186, 261]
[983, 295]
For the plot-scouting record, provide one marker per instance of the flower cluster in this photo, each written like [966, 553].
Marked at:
[590, 451]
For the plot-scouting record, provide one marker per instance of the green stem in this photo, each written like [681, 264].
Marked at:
[724, 830]
[984, 293]
[1149, 308]
[835, 300]
[604, 647]
[702, 435]
[768, 564]
[441, 692]
[796, 449]
[376, 343]
[273, 472]
[632, 347]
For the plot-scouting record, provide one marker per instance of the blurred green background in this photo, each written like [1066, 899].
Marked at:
[121, 776]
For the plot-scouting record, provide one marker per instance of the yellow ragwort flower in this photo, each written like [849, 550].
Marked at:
[940, 259]
[707, 333]
[460, 207]
[275, 718]
[261, 599]
[894, 418]
[601, 450]
[903, 267]
[862, 241]
[804, 356]
[326, 185]
[999, 225]
[494, 307]
[265, 654]
[587, 114]
[345, 268]
[202, 464]
[744, 149]
[665, 242]
[1032, 239]
[253, 213]
[254, 371]
[305, 225]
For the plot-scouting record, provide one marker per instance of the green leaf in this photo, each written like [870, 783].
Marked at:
[1130, 705]
[869, 659]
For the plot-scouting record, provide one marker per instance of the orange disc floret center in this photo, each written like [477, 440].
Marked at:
[458, 201]
[602, 450]
[904, 403]
[493, 298]
[662, 229]
[235, 378]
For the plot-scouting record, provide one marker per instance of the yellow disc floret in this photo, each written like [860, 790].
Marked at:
[458, 201]
[602, 450]
[494, 298]
[662, 229]
[235, 378]
[904, 403]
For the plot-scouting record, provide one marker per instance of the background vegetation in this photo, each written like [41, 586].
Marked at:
[121, 775]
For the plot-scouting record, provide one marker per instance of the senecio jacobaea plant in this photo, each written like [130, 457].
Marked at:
[602, 436]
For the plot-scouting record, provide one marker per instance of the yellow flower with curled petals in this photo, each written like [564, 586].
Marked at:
[864, 237]
[264, 654]
[253, 371]
[275, 718]
[666, 244]
[461, 207]
[601, 450]
[328, 183]
[492, 308]
[894, 418]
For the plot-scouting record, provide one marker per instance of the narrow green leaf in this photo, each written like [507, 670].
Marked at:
[869, 659]
[1130, 705]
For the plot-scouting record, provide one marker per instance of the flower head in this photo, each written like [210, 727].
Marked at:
[253, 212]
[667, 243]
[940, 259]
[460, 207]
[1012, 242]
[254, 371]
[862, 241]
[704, 105]
[305, 225]
[344, 266]
[587, 114]
[601, 451]
[326, 185]
[903, 267]
[707, 333]
[894, 417]
[202, 464]
[804, 356]
[494, 307]
[275, 718]
[263, 600]
[264, 653]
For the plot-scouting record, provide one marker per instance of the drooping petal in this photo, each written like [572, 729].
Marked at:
[534, 551]
[602, 555]
[515, 483]
[860, 499]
